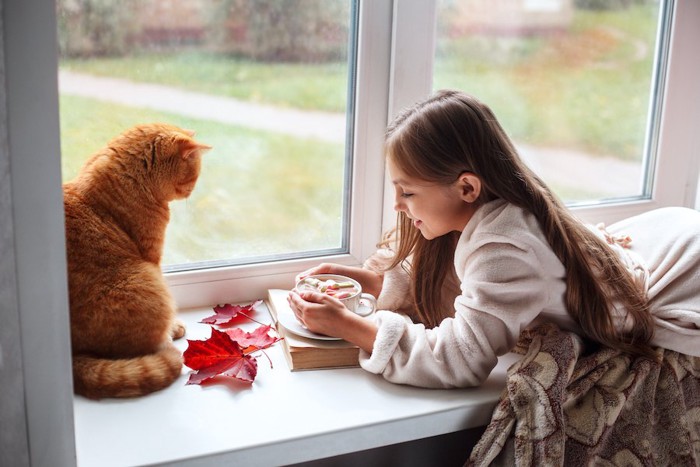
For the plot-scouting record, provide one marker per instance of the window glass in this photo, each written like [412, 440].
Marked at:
[572, 82]
[265, 82]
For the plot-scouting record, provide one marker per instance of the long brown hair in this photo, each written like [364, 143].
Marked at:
[451, 133]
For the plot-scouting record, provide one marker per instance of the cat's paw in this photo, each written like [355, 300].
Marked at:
[178, 329]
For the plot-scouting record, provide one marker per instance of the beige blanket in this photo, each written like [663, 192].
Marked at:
[561, 407]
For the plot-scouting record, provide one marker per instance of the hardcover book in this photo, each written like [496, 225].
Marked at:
[303, 349]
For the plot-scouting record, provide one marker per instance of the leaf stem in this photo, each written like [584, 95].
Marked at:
[253, 319]
[263, 352]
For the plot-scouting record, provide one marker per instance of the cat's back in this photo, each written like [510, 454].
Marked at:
[91, 227]
[99, 253]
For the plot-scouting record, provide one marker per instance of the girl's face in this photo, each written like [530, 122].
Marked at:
[435, 209]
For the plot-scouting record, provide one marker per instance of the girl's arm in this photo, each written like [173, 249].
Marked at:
[504, 288]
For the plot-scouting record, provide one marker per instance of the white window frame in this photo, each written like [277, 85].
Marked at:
[247, 282]
[388, 79]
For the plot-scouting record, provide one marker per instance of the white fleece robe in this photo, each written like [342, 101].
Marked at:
[511, 279]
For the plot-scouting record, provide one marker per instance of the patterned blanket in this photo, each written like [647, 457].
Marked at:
[562, 407]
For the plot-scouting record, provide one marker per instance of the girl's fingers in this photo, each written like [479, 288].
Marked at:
[302, 275]
[299, 301]
[293, 299]
[323, 268]
[310, 272]
[305, 297]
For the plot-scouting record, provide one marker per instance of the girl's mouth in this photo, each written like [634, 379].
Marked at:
[417, 223]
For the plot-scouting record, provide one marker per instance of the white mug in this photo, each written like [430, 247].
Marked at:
[363, 304]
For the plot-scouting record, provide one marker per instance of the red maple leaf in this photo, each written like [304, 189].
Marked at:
[228, 314]
[218, 355]
[251, 341]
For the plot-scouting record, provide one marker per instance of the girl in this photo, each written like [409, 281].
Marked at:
[484, 249]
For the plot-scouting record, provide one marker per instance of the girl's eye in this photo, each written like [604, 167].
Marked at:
[406, 195]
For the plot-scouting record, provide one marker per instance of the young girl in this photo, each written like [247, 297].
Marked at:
[484, 249]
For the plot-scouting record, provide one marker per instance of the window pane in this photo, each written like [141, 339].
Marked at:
[571, 81]
[266, 82]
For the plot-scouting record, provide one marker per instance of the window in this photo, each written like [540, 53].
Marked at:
[572, 81]
[622, 120]
[278, 88]
[267, 83]
[394, 69]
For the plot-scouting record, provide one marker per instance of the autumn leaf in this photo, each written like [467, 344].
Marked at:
[228, 353]
[218, 355]
[228, 314]
[251, 341]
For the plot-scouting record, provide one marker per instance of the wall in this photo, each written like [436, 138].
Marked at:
[14, 449]
[36, 410]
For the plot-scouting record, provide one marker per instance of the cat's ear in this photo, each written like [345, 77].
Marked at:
[189, 147]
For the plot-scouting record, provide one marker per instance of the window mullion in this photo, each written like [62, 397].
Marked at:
[371, 104]
[678, 159]
[412, 57]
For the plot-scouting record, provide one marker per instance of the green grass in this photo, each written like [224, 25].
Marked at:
[258, 193]
[579, 91]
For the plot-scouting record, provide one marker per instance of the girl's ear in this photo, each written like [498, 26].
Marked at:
[470, 186]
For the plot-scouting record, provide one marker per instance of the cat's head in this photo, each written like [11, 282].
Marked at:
[165, 158]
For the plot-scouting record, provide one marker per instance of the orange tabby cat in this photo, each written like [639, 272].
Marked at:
[121, 313]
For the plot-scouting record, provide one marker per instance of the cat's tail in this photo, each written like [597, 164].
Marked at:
[97, 378]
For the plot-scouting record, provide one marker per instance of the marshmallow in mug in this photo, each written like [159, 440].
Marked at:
[345, 289]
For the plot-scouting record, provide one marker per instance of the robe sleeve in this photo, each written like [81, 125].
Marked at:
[396, 288]
[503, 289]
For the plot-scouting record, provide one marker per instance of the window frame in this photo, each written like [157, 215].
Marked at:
[32, 126]
[250, 281]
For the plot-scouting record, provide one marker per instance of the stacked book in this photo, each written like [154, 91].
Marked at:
[303, 349]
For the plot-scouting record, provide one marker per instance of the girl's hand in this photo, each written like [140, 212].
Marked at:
[327, 315]
[319, 312]
[370, 281]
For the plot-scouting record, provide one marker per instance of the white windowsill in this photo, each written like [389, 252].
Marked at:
[283, 417]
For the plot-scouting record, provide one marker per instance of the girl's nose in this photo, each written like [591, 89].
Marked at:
[399, 205]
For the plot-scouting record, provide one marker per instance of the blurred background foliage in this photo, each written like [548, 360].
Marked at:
[583, 85]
